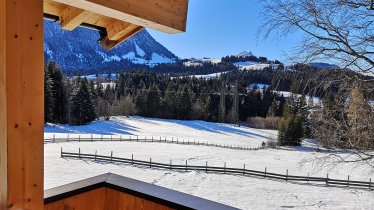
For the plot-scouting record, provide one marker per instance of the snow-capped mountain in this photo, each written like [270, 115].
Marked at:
[79, 50]
[245, 53]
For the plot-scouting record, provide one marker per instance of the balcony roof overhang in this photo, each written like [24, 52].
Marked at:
[121, 19]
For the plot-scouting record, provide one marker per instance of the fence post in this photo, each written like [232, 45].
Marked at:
[150, 162]
[79, 153]
[369, 183]
[327, 179]
[186, 165]
[206, 166]
[265, 171]
[61, 151]
[160, 138]
[307, 179]
[244, 169]
[170, 164]
[224, 168]
[68, 138]
[130, 138]
[54, 138]
[79, 138]
[287, 175]
[152, 138]
[91, 137]
[120, 137]
[137, 138]
[348, 181]
[111, 156]
[132, 159]
[95, 155]
[111, 137]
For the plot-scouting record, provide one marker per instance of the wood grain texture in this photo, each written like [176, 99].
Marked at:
[168, 16]
[22, 116]
[104, 199]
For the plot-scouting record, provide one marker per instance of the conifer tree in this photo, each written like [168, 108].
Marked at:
[222, 105]
[235, 105]
[153, 101]
[48, 97]
[83, 108]
[168, 102]
[184, 103]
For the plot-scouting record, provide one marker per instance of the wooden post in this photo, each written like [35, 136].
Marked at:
[79, 153]
[206, 166]
[132, 159]
[111, 156]
[327, 179]
[244, 169]
[95, 155]
[150, 162]
[21, 104]
[186, 165]
[265, 171]
[287, 175]
[170, 164]
[348, 181]
[307, 179]
[369, 183]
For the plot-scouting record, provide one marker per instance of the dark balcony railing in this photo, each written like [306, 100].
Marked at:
[112, 192]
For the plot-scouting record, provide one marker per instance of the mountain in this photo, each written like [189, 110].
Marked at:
[244, 54]
[79, 50]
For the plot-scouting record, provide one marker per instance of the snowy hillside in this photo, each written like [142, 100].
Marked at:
[237, 191]
[79, 50]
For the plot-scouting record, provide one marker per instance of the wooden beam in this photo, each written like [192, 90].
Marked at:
[117, 29]
[72, 17]
[169, 16]
[21, 104]
[109, 44]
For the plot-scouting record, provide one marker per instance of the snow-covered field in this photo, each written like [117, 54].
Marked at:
[238, 191]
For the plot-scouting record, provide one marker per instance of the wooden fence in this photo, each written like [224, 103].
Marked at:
[168, 140]
[221, 170]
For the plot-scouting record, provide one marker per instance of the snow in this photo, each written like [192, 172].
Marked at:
[259, 85]
[245, 53]
[286, 94]
[157, 59]
[139, 51]
[237, 191]
[250, 65]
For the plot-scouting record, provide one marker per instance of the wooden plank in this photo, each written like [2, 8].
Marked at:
[117, 29]
[3, 109]
[22, 101]
[169, 16]
[71, 17]
[108, 44]
[92, 200]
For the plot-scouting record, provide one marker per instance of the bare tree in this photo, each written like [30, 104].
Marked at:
[341, 31]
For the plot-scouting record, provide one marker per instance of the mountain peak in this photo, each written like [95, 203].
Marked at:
[245, 53]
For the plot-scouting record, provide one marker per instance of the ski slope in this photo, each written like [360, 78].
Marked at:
[237, 191]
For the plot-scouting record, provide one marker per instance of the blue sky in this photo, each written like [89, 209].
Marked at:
[217, 28]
